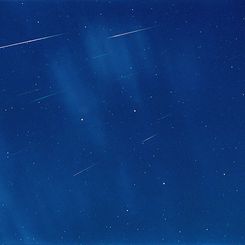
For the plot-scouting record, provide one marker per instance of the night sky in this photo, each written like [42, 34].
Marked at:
[122, 122]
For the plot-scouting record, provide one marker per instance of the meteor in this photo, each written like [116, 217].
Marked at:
[100, 55]
[30, 41]
[163, 117]
[151, 137]
[29, 92]
[131, 32]
[84, 170]
[46, 96]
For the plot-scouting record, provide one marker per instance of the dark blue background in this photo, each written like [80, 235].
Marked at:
[182, 81]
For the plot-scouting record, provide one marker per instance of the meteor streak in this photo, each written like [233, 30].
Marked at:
[99, 56]
[30, 41]
[130, 32]
[151, 137]
[47, 96]
[84, 170]
[28, 92]
[163, 117]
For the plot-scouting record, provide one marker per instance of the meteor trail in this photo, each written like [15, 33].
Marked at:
[47, 96]
[28, 92]
[163, 117]
[30, 41]
[99, 56]
[151, 137]
[131, 32]
[84, 170]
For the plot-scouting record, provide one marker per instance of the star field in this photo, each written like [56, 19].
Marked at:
[122, 122]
